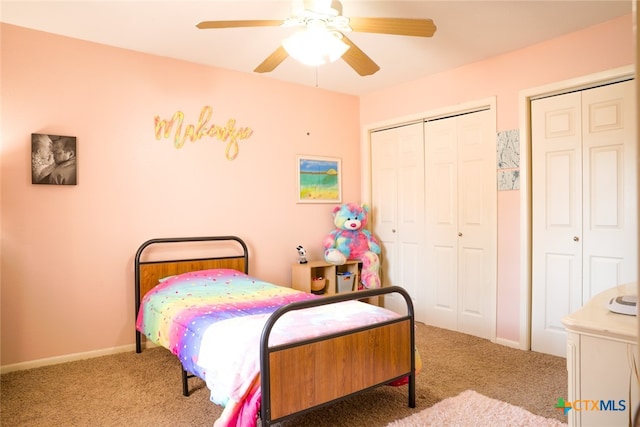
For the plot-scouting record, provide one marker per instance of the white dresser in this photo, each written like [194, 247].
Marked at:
[601, 362]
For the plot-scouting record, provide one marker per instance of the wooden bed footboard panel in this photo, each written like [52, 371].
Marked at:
[309, 375]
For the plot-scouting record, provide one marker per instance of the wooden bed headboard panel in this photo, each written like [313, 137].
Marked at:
[151, 273]
[214, 252]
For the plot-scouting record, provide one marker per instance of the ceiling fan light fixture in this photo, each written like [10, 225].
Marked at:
[314, 46]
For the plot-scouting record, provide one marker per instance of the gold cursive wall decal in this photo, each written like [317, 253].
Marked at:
[227, 133]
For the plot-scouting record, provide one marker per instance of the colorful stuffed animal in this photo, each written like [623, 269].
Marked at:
[352, 241]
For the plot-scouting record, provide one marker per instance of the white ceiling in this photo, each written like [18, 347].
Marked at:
[468, 31]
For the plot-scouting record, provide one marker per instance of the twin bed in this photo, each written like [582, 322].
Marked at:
[265, 351]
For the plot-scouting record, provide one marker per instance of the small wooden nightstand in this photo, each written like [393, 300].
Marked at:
[302, 275]
[602, 350]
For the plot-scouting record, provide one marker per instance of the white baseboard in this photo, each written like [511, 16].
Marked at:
[509, 343]
[70, 358]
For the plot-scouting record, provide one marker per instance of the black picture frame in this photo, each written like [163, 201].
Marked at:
[54, 159]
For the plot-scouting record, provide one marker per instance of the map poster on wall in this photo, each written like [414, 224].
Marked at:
[319, 179]
[53, 159]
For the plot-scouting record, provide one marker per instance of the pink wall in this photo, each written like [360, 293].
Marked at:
[602, 47]
[67, 264]
[67, 252]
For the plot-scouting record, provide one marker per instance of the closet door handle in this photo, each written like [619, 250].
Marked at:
[459, 234]
[576, 239]
[393, 230]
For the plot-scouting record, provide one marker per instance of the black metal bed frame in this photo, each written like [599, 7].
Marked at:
[265, 350]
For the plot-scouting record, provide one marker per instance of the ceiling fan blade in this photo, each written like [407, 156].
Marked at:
[396, 26]
[358, 60]
[204, 25]
[272, 61]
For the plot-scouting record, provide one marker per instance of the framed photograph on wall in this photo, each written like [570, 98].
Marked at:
[319, 179]
[53, 159]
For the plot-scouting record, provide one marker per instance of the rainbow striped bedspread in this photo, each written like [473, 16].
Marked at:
[213, 319]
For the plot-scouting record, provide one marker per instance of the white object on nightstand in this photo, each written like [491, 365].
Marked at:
[624, 304]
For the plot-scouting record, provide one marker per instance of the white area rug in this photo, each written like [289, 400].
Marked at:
[473, 409]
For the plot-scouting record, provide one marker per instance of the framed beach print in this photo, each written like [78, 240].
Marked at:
[319, 179]
[53, 159]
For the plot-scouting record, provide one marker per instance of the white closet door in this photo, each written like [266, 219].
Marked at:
[398, 208]
[610, 228]
[461, 224]
[584, 229]
[557, 218]
[477, 224]
[441, 217]
[384, 201]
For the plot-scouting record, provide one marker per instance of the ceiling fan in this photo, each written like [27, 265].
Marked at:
[323, 19]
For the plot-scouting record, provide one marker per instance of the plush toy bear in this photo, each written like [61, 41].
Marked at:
[352, 241]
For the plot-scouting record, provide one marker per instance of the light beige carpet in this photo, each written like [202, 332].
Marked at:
[470, 409]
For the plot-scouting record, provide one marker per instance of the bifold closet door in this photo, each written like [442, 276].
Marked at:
[584, 204]
[397, 157]
[460, 220]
